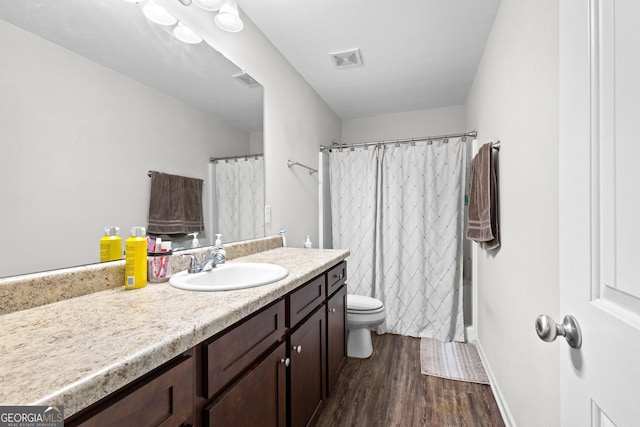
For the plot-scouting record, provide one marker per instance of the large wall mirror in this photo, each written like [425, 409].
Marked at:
[93, 96]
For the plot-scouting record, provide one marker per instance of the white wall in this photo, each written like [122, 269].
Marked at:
[296, 122]
[77, 142]
[256, 142]
[514, 99]
[437, 121]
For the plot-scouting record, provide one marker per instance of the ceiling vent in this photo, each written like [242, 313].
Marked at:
[246, 79]
[346, 58]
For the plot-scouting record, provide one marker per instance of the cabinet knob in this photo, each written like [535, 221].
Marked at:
[286, 362]
[332, 310]
[338, 276]
[297, 348]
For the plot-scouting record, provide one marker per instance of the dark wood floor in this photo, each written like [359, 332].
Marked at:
[388, 390]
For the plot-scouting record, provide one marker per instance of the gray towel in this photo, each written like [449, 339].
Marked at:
[175, 205]
[482, 219]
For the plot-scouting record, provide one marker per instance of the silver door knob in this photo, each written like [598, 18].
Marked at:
[297, 348]
[548, 329]
[286, 362]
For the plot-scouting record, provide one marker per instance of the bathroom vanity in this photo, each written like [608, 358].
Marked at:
[163, 356]
[291, 379]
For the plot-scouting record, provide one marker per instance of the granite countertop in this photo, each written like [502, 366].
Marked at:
[76, 351]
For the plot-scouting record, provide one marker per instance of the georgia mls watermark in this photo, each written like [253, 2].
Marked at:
[31, 416]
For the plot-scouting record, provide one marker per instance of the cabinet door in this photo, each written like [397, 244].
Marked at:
[307, 370]
[336, 336]
[256, 399]
[166, 399]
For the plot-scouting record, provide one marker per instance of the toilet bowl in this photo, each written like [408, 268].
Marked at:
[363, 314]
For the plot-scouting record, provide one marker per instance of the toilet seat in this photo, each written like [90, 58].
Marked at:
[363, 304]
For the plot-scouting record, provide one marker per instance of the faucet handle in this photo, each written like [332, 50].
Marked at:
[218, 256]
[194, 265]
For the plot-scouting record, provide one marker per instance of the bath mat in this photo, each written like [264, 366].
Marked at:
[452, 360]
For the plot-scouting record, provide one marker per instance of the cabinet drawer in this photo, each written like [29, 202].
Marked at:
[164, 400]
[336, 277]
[304, 300]
[229, 355]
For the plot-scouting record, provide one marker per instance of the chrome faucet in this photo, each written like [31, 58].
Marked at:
[212, 262]
[215, 258]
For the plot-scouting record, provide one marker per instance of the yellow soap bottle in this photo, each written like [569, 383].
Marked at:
[135, 274]
[110, 245]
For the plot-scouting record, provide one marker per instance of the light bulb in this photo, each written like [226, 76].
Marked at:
[209, 5]
[186, 34]
[158, 14]
[228, 18]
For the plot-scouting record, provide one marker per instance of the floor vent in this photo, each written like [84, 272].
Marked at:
[246, 79]
[346, 58]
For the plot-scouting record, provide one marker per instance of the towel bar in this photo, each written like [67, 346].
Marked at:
[291, 163]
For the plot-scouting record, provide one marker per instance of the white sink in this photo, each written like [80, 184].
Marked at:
[226, 277]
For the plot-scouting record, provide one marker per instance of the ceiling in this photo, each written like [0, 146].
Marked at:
[417, 54]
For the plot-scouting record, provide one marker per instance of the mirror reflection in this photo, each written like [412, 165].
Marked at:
[93, 97]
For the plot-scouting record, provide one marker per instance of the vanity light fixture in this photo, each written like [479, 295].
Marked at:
[228, 18]
[158, 14]
[186, 34]
[210, 5]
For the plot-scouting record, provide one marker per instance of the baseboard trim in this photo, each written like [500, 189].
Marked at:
[502, 405]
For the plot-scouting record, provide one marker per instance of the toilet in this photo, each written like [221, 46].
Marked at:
[363, 314]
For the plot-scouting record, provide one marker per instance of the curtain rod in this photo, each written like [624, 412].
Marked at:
[244, 156]
[472, 134]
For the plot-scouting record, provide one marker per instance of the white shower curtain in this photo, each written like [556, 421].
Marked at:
[240, 198]
[353, 188]
[404, 231]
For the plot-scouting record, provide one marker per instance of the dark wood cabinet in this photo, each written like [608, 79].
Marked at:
[231, 352]
[304, 300]
[256, 399]
[336, 277]
[163, 397]
[307, 377]
[336, 336]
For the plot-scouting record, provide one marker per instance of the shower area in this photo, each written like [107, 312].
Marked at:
[399, 207]
[237, 196]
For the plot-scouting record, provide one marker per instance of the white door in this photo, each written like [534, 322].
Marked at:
[600, 210]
